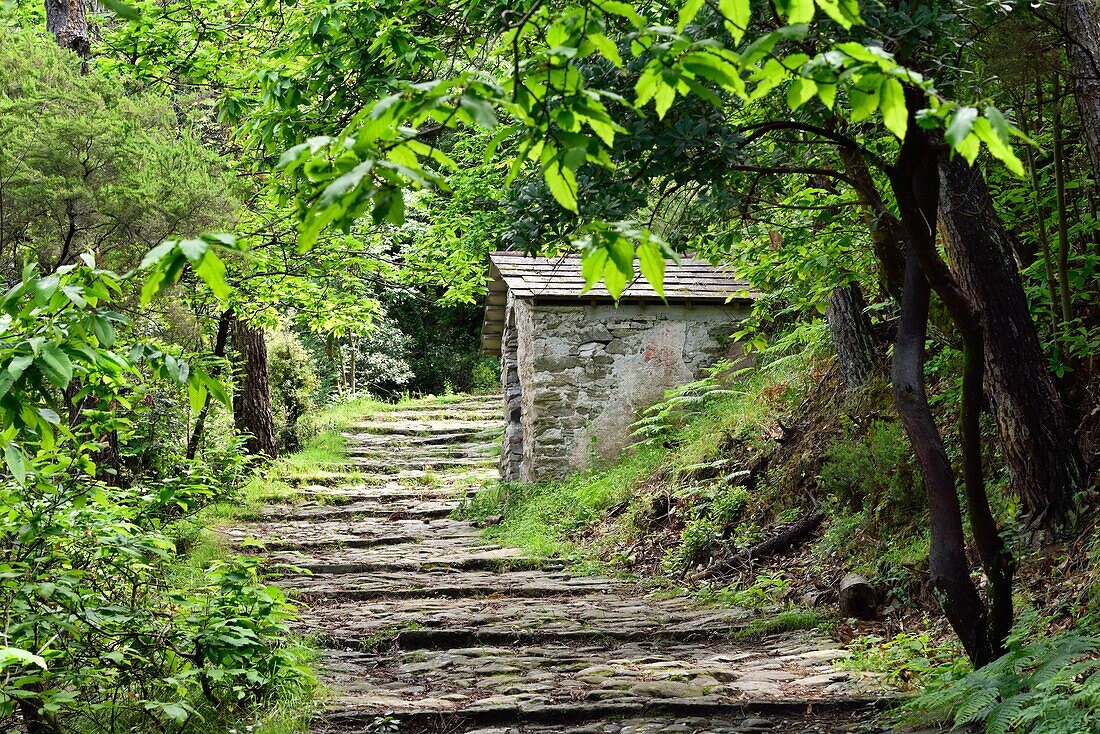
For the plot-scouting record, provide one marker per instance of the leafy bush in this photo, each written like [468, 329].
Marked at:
[1047, 686]
[96, 635]
[714, 520]
[876, 474]
[293, 383]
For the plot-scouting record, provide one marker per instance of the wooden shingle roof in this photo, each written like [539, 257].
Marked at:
[559, 280]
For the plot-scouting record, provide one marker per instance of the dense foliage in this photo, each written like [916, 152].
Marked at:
[922, 175]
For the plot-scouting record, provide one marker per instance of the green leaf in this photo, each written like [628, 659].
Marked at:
[801, 91]
[998, 147]
[16, 461]
[593, 262]
[157, 254]
[56, 364]
[212, 271]
[663, 100]
[959, 127]
[480, 110]
[864, 97]
[652, 262]
[562, 183]
[844, 12]
[10, 655]
[625, 10]
[193, 249]
[104, 331]
[607, 48]
[737, 14]
[688, 11]
[892, 105]
[124, 10]
[796, 11]
[621, 252]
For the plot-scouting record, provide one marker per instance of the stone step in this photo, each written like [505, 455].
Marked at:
[426, 427]
[406, 508]
[422, 452]
[440, 623]
[358, 533]
[344, 494]
[753, 717]
[397, 465]
[445, 583]
[336, 478]
[464, 438]
[493, 413]
[431, 553]
[511, 684]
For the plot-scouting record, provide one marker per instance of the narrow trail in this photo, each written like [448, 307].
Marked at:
[428, 627]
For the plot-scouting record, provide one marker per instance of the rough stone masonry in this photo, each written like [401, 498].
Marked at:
[578, 367]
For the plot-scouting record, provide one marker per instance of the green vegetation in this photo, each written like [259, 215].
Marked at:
[219, 219]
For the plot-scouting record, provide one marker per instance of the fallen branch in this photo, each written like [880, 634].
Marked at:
[785, 538]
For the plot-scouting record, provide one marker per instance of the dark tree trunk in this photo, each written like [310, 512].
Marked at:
[947, 564]
[886, 238]
[220, 340]
[1081, 19]
[252, 402]
[852, 336]
[1035, 434]
[916, 184]
[67, 21]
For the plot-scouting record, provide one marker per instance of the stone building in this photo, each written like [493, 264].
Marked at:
[577, 368]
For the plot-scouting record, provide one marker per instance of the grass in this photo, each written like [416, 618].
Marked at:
[542, 519]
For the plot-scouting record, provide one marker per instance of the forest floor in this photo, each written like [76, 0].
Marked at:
[424, 625]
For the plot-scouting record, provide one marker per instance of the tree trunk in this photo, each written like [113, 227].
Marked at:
[220, 340]
[1081, 19]
[1035, 434]
[851, 332]
[886, 238]
[916, 185]
[67, 21]
[252, 402]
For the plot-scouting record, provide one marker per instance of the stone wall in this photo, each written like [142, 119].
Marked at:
[585, 371]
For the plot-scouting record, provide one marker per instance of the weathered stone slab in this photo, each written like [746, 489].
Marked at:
[445, 583]
[435, 622]
[442, 553]
[362, 533]
[419, 509]
[468, 679]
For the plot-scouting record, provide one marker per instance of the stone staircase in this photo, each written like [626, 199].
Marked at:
[428, 627]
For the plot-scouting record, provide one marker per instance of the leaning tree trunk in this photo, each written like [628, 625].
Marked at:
[885, 230]
[852, 336]
[982, 629]
[252, 402]
[1035, 434]
[68, 22]
[1081, 19]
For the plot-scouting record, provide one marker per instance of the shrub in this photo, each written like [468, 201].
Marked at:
[293, 383]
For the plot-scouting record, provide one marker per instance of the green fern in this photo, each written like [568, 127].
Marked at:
[1048, 686]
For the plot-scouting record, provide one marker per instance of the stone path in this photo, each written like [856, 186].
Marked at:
[426, 626]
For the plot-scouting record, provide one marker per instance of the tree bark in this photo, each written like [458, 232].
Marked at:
[1081, 20]
[1033, 427]
[220, 340]
[852, 336]
[68, 22]
[252, 414]
[886, 237]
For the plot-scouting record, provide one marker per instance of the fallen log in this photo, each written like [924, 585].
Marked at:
[783, 539]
